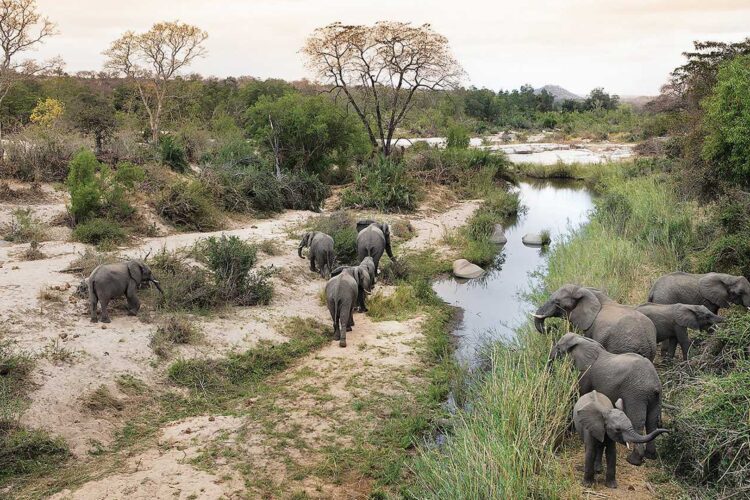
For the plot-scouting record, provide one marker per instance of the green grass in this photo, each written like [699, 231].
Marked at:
[400, 305]
[504, 447]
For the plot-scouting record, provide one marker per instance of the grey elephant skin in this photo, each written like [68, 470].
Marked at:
[363, 274]
[109, 281]
[372, 241]
[713, 290]
[619, 328]
[672, 322]
[601, 425]
[321, 253]
[341, 297]
[629, 377]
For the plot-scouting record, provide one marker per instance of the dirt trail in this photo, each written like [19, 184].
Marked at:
[280, 436]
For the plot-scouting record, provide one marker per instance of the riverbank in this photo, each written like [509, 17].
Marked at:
[514, 441]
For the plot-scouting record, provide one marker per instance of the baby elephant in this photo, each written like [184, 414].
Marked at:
[341, 297]
[673, 320]
[364, 273]
[108, 281]
[601, 425]
[321, 252]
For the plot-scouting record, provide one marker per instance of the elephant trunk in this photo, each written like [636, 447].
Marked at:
[539, 323]
[633, 437]
[546, 310]
[158, 286]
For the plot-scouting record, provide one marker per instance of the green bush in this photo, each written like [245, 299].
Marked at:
[100, 232]
[172, 154]
[471, 172]
[24, 227]
[84, 187]
[303, 191]
[229, 258]
[188, 205]
[343, 229]
[384, 185]
[458, 137]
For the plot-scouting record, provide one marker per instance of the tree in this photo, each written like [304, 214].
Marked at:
[47, 112]
[21, 28]
[305, 133]
[152, 59]
[599, 99]
[379, 69]
[92, 114]
[727, 122]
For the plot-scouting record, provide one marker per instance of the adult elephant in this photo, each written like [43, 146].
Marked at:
[629, 377]
[341, 297]
[713, 290]
[321, 254]
[108, 281]
[672, 322]
[372, 241]
[364, 275]
[619, 328]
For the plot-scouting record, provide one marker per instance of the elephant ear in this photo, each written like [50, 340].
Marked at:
[586, 309]
[685, 317]
[337, 271]
[135, 271]
[713, 288]
[592, 420]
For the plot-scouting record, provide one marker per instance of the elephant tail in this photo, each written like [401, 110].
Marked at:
[92, 290]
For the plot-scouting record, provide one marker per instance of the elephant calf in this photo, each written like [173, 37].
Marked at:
[672, 322]
[601, 425]
[341, 297]
[629, 377]
[108, 281]
[619, 328]
[321, 254]
[713, 290]
[364, 274]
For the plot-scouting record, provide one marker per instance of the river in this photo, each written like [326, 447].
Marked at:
[495, 305]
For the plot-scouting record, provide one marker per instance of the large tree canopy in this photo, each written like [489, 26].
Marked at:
[379, 69]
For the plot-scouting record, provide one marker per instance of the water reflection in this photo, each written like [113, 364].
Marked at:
[494, 305]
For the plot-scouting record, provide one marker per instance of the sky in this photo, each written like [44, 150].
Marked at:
[626, 46]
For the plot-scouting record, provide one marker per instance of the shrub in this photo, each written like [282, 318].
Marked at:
[85, 191]
[471, 172]
[172, 154]
[24, 227]
[303, 191]
[343, 229]
[100, 232]
[458, 137]
[40, 155]
[188, 205]
[383, 185]
[229, 258]
[173, 331]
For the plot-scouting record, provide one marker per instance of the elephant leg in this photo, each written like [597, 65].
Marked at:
[636, 411]
[592, 450]
[312, 264]
[134, 305]
[685, 342]
[653, 417]
[664, 348]
[105, 313]
[350, 324]
[672, 347]
[92, 307]
[598, 460]
[610, 478]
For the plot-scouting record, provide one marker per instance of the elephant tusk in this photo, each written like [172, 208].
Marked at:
[538, 316]
[627, 443]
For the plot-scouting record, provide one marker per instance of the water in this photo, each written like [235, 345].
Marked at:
[495, 305]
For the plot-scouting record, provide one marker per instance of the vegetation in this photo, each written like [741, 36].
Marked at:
[383, 185]
[174, 330]
[24, 227]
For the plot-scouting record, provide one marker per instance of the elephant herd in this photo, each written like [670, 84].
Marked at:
[615, 354]
[347, 286]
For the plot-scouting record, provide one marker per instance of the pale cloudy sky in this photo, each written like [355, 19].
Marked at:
[626, 46]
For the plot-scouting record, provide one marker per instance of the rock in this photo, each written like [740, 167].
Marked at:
[498, 235]
[532, 239]
[462, 268]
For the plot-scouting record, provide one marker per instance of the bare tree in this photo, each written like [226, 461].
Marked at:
[21, 28]
[379, 69]
[152, 59]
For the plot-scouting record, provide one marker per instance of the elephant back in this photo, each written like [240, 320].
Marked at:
[622, 329]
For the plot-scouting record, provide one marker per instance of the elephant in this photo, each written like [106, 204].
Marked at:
[321, 254]
[673, 320]
[629, 377]
[372, 241]
[108, 281]
[619, 328]
[601, 425]
[713, 290]
[362, 275]
[341, 296]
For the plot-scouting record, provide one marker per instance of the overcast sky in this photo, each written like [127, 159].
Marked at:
[626, 46]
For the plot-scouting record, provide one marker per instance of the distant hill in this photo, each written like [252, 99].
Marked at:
[559, 93]
[637, 101]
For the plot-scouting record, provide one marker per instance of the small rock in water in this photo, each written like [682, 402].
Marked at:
[532, 239]
[462, 268]
[498, 235]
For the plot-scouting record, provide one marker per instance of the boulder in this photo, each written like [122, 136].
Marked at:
[462, 268]
[533, 239]
[498, 235]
